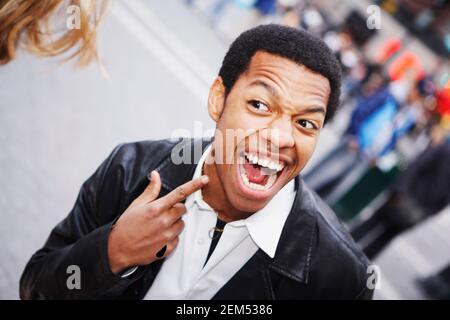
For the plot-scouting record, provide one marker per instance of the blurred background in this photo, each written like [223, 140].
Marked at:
[383, 163]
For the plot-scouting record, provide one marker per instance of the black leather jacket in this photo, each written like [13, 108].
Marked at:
[315, 258]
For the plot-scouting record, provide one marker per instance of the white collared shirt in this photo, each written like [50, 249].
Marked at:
[184, 275]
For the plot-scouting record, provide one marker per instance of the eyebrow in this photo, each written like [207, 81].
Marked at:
[273, 92]
[268, 87]
[315, 110]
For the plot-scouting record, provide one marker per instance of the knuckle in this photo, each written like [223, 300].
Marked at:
[181, 191]
[151, 213]
[179, 227]
[165, 221]
[151, 216]
[166, 235]
[155, 207]
[178, 206]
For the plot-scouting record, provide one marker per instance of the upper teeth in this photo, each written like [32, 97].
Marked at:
[267, 163]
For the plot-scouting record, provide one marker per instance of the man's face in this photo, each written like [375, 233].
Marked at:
[278, 107]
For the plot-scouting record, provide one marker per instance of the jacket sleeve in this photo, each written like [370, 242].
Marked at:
[80, 240]
[365, 294]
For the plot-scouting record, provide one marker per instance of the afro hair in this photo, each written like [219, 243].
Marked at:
[294, 44]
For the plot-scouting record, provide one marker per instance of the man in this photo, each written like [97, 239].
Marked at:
[238, 223]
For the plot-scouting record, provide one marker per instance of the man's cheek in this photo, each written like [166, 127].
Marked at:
[303, 159]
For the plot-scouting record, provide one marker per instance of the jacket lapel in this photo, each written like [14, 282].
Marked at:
[295, 248]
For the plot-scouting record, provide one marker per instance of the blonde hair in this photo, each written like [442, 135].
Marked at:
[26, 23]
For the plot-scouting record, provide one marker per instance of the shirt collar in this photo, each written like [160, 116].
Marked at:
[264, 226]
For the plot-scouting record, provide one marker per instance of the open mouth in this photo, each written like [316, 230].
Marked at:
[259, 173]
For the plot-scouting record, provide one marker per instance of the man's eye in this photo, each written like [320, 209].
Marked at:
[307, 124]
[259, 105]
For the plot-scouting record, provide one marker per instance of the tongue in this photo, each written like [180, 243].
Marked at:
[254, 173]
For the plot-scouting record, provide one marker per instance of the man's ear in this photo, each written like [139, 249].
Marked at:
[216, 99]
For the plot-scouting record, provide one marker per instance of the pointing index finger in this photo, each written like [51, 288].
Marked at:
[184, 191]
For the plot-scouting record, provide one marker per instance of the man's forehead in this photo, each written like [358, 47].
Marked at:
[265, 61]
[267, 65]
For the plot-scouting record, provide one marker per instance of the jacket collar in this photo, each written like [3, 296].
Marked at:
[179, 165]
[291, 259]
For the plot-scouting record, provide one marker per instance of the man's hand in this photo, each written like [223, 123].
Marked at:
[149, 224]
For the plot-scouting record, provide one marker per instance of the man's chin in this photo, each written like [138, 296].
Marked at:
[248, 206]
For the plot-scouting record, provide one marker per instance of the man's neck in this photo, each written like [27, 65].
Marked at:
[214, 195]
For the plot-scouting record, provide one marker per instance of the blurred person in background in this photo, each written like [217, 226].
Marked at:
[384, 113]
[437, 286]
[265, 7]
[442, 129]
[290, 12]
[421, 190]
[341, 160]
[30, 25]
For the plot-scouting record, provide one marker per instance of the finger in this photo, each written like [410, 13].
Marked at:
[171, 246]
[152, 190]
[174, 230]
[173, 215]
[183, 191]
[176, 212]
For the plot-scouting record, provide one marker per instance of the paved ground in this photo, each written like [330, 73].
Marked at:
[419, 252]
[57, 124]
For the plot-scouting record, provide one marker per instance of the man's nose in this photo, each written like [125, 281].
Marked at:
[281, 133]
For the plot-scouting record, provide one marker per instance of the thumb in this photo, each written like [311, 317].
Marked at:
[154, 187]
